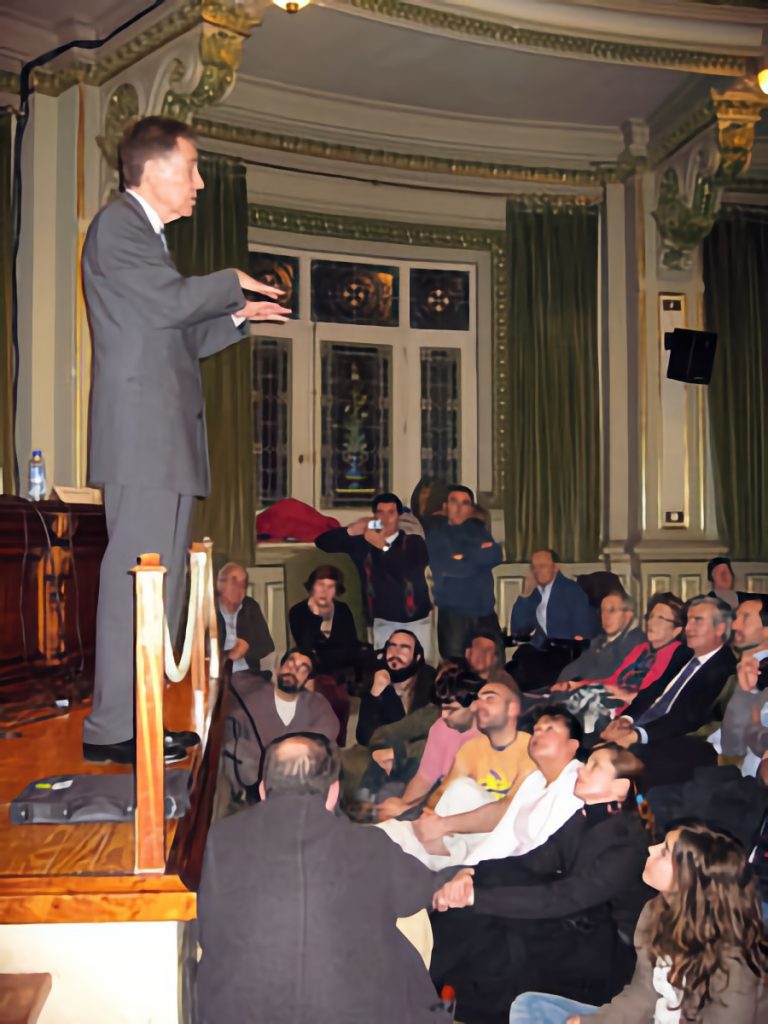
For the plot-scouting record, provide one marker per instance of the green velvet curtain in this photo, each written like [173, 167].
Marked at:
[215, 237]
[7, 450]
[553, 472]
[736, 297]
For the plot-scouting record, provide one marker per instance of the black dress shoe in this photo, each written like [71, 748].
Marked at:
[185, 738]
[117, 753]
[125, 752]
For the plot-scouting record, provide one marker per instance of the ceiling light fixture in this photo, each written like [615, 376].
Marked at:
[762, 79]
[291, 6]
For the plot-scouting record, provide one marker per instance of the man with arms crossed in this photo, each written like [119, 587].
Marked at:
[148, 450]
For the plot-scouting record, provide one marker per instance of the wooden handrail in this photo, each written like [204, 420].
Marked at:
[149, 818]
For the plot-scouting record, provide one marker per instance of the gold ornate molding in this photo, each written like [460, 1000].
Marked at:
[684, 221]
[677, 58]
[402, 233]
[223, 34]
[682, 224]
[9, 82]
[695, 122]
[391, 160]
[122, 108]
[737, 110]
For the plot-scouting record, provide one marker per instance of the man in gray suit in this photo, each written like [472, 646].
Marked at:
[148, 449]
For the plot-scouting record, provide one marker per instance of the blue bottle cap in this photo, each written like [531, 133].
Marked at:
[37, 451]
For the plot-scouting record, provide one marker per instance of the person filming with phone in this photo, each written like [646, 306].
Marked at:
[391, 565]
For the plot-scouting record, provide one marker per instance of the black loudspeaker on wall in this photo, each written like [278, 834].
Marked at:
[691, 355]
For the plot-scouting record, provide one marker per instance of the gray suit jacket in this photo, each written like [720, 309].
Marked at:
[150, 328]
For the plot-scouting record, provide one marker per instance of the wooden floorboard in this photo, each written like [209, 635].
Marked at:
[80, 872]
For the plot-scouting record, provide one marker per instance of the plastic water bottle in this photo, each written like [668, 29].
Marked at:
[36, 476]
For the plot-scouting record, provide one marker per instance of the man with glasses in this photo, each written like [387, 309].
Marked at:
[619, 634]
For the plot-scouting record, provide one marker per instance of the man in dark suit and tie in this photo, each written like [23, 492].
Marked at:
[659, 720]
[150, 327]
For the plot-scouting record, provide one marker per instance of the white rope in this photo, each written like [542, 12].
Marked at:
[201, 597]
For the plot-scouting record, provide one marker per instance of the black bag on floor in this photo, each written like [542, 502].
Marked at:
[72, 799]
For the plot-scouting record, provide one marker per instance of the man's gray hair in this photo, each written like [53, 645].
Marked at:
[226, 571]
[299, 762]
[722, 614]
[628, 603]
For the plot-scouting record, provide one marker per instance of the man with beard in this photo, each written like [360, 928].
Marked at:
[488, 768]
[259, 712]
[748, 688]
[401, 684]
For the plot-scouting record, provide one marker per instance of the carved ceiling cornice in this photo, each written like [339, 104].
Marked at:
[216, 16]
[418, 163]
[560, 44]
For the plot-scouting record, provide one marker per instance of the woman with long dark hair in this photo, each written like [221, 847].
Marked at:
[702, 953]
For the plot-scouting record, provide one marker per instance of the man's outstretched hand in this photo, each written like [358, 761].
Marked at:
[250, 284]
[271, 311]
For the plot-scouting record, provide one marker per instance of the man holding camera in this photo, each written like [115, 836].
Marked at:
[391, 565]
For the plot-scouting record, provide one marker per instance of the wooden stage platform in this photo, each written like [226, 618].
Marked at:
[84, 872]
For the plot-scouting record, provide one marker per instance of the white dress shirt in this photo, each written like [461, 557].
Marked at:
[541, 610]
[159, 228]
[230, 621]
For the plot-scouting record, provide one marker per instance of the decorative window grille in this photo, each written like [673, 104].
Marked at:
[440, 413]
[270, 405]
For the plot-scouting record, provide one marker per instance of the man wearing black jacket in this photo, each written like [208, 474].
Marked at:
[391, 565]
[558, 919]
[401, 683]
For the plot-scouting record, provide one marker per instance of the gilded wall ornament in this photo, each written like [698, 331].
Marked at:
[122, 108]
[684, 225]
[221, 50]
[685, 220]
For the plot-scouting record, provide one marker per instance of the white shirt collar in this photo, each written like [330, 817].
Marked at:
[704, 658]
[546, 590]
[152, 215]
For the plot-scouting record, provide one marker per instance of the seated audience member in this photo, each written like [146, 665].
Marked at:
[741, 721]
[620, 634]
[557, 919]
[598, 701]
[243, 632]
[485, 769]
[325, 626]
[456, 689]
[322, 624]
[701, 947]
[402, 683]
[682, 700]
[553, 608]
[259, 712]
[720, 575]
[297, 908]
[391, 566]
[510, 827]
[483, 656]
[452, 731]
[462, 555]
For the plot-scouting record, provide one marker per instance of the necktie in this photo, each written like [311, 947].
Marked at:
[664, 702]
[161, 232]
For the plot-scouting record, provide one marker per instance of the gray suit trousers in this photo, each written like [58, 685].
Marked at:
[139, 520]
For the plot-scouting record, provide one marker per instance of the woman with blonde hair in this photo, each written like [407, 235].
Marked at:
[702, 953]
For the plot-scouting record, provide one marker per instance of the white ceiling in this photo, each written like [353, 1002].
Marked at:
[338, 53]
